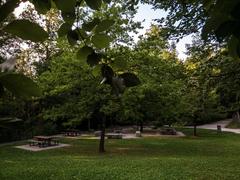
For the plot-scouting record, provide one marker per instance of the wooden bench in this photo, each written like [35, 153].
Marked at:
[97, 133]
[55, 140]
[32, 142]
[138, 134]
[36, 143]
[114, 135]
[117, 131]
[168, 131]
[72, 133]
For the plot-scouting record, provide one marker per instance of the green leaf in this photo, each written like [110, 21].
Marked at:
[94, 4]
[7, 8]
[20, 85]
[93, 59]
[42, 6]
[26, 30]
[72, 37]
[82, 34]
[107, 72]
[119, 63]
[65, 6]
[83, 53]
[96, 71]
[207, 4]
[233, 47]
[90, 25]
[101, 40]
[104, 25]
[64, 29]
[69, 17]
[130, 79]
[79, 3]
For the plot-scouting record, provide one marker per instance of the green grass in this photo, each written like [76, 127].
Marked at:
[234, 125]
[209, 156]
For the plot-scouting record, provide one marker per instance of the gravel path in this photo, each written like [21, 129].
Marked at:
[222, 123]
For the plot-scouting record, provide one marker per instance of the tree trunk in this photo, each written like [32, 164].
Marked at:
[236, 116]
[195, 130]
[141, 126]
[89, 125]
[102, 137]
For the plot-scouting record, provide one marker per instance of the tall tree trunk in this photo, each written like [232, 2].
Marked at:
[236, 116]
[141, 126]
[102, 137]
[195, 130]
[89, 125]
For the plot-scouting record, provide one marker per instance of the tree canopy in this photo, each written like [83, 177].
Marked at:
[80, 61]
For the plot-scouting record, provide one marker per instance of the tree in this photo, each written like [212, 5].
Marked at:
[20, 86]
[201, 91]
[184, 17]
[216, 19]
[92, 33]
[157, 98]
[226, 82]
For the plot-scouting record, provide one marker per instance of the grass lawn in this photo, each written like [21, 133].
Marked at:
[209, 156]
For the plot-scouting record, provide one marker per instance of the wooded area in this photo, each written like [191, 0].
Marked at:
[77, 67]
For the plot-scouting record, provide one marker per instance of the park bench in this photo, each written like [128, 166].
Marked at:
[114, 135]
[97, 133]
[118, 131]
[168, 131]
[72, 133]
[138, 134]
[55, 140]
[38, 143]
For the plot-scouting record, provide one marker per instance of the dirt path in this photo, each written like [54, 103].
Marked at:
[222, 123]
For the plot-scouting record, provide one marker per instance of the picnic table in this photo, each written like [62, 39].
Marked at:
[72, 132]
[43, 141]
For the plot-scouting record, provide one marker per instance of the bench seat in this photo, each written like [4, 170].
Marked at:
[114, 136]
[36, 143]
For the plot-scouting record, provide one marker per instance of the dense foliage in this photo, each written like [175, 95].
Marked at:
[91, 74]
